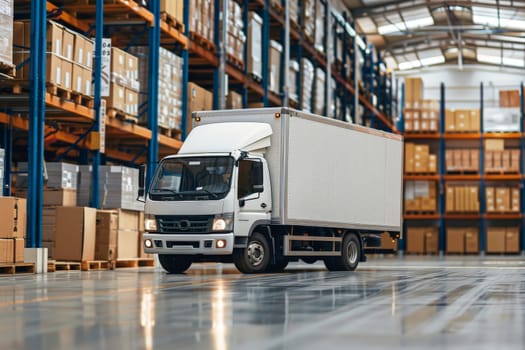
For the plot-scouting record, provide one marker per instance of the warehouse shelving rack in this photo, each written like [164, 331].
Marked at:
[441, 217]
[76, 127]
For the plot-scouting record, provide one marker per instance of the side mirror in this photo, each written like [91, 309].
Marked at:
[257, 188]
[142, 181]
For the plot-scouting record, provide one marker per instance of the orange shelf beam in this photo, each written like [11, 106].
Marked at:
[66, 17]
[412, 177]
[70, 106]
[497, 135]
[460, 136]
[503, 177]
[420, 136]
[422, 216]
[503, 216]
[467, 177]
[475, 216]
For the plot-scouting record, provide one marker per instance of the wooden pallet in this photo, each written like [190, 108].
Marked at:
[202, 41]
[96, 265]
[235, 61]
[65, 266]
[7, 70]
[420, 212]
[421, 173]
[134, 263]
[277, 7]
[255, 78]
[68, 94]
[501, 172]
[171, 133]
[309, 39]
[172, 21]
[118, 114]
[17, 268]
[462, 172]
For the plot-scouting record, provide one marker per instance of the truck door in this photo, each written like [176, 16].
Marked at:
[253, 194]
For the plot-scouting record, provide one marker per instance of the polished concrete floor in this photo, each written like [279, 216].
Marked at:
[416, 303]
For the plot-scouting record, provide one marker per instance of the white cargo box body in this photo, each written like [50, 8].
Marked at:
[325, 172]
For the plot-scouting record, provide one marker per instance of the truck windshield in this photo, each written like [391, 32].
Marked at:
[192, 178]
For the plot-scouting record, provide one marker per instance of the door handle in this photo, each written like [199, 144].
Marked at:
[263, 205]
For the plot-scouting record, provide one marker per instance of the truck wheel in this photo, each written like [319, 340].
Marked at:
[309, 259]
[256, 257]
[350, 254]
[278, 266]
[175, 263]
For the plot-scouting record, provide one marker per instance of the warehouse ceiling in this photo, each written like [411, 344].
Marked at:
[419, 33]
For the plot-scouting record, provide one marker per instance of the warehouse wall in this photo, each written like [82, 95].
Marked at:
[462, 86]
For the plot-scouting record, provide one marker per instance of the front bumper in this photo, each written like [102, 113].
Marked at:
[188, 244]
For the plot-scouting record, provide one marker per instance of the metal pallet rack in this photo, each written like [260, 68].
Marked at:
[441, 218]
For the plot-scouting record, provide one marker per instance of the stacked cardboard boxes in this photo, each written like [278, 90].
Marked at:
[509, 98]
[422, 240]
[462, 199]
[413, 92]
[308, 19]
[75, 234]
[202, 18]
[420, 196]
[307, 84]
[293, 75]
[199, 99]
[319, 91]
[124, 87]
[503, 199]
[12, 229]
[503, 240]
[233, 100]
[274, 80]
[501, 160]
[462, 160]
[175, 9]
[69, 57]
[235, 32]
[6, 32]
[419, 160]
[462, 240]
[254, 45]
[117, 234]
[424, 118]
[462, 120]
[170, 87]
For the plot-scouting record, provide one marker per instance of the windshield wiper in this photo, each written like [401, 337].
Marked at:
[208, 192]
[180, 195]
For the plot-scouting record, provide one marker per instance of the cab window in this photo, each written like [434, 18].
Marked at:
[250, 174]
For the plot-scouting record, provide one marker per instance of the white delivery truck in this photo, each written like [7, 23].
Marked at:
[263, 187]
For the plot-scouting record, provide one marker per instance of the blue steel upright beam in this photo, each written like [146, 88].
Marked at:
[185, 72]
[95, 160]
[522, 171]
[481, 192]
[441, 169]
[153, 90]
[265, 49]
[36, 124]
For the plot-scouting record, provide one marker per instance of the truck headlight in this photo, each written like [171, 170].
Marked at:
[150, 224]
[223, 222]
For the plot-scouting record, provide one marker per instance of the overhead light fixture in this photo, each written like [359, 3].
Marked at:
[391, 28]
[515, 62]
[409, 65]
[420, 22]
[429, 61]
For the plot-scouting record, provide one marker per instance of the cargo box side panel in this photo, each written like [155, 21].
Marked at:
[336, 176]
[393, 178]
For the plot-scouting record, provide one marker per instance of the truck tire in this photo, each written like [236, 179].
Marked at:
[350, 255]
[309, 259]
[175, 263]
[256, 257]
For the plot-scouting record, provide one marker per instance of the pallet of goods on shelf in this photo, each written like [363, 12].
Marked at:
[420, 197]
[123, 100]
[462, 240]
[462, 161]
[233, 100]
[502, 199]
[502, 240]
[307, 84]
[274, 81]
[308, 20]
[118, 234]
[236, 38]
[6, 42]
[202, 19]
[422, 119]
[254, 46]
[422, 240]
[462, 120]
[499, 119]
[69, 62]
[462, 199]
[169, 116]
[172, 12]
[499, 160]
[12, 229]
[418, 159]
[293, 75]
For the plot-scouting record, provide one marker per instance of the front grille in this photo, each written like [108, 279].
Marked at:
[171, 224]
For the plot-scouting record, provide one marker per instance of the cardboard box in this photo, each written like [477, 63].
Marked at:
[512, 240]
[128, 244]
[387, 243]
[432, 163]
[489, 160]
[514, 160]
[117, 97]
[495, 240]
[233, 100]
[87, 79]
[474, 120]
[471, 240]
[67, 75]
[431, 241]
[515, 200]
[88, 53]
[409, 157]
[118, 62]
[409, 125]
[68, 44]
[13, 217]
[450, 205]
[131, 106]
[474, 160]
[60, 197]
[54, 70]
[428, 204]
[54, 37]
[415, 241]
[106, 235]
[496, 160]
[78, 79]
[7, 250]
[19, 249]
[75, 233]
[79, 56]
[494, 144]
[199, 99]
[449, 160]
[509, 98]
[455, 240]
[450, 121]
